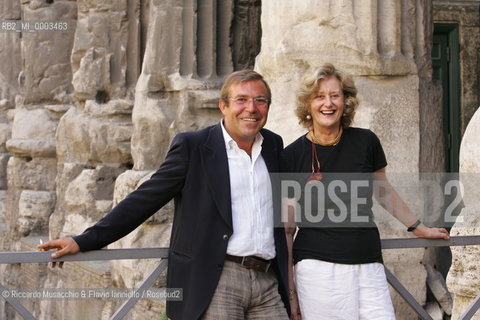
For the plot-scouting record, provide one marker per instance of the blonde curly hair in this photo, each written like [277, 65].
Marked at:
[310, 88]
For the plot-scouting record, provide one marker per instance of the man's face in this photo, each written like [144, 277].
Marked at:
[244, 117]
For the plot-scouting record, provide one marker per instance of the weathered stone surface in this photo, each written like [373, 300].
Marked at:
[10, 10]
[462, 279]
[86, 6]
[35, 208]
[246, 27]
[9, 51]
[150, 139]
[5, 134]
[88, 198]
[84, 138]
[23, 174]
[168, 95]
[345, 33]
[156, 122]
[3, 170]
[127, 182]
[467, 15]
[67, 172]
[24, 128]
[3, 196]
[437, 285]
[432, 151]
[99, 58]
[11, 216]
[58, 109]
[32, 148]
[470, 153]
[120, 108]
[434, 310]
[47, 69]
[393, 117]
[93, 75]
[9, 72]
[33, 138]
[80, 203]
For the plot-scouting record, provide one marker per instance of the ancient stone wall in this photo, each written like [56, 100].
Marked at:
[463, 280]
[467, 15]
[384, 45]
[87, 115]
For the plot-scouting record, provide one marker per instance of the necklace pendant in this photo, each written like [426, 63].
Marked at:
[315, 176]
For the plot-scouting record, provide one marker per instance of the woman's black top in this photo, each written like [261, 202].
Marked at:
[348, 164]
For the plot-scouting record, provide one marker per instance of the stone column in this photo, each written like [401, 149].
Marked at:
[376, 41]
[463, 278]
[187, 54]
[36, 69]
[10, 44]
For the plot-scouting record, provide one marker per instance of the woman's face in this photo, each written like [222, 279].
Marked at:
[327, 104]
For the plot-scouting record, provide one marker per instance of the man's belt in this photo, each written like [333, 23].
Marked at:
[251, 262]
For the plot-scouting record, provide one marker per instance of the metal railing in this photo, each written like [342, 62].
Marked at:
[406, 243]
[162, 253]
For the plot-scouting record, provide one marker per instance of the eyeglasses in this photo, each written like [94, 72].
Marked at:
[258, 101]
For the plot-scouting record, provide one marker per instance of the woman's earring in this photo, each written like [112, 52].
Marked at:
[344, 114]
[308, 117]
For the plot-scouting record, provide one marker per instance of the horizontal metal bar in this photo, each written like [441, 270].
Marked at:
[162, 252]
[95, 255]
[422, 243]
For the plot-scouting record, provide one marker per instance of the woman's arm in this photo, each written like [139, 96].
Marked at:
[290, 229]
[389, 199]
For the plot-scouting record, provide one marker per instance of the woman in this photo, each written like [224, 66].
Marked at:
[338, 268]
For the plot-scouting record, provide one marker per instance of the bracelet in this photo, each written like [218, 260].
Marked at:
[414, 226]
[292, 293]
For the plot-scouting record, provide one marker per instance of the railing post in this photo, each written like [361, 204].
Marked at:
[406, 295]
[16, 304]
[147, 283]
[471, 309]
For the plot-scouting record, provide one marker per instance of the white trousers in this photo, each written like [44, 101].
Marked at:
[342, 291]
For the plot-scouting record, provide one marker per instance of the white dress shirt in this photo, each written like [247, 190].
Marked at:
[252, 207]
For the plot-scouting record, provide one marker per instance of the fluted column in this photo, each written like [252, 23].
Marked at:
[377, 41]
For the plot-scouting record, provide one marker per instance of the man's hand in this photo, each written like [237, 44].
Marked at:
[63, 246]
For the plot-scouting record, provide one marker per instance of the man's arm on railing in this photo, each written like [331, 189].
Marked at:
[63, 246]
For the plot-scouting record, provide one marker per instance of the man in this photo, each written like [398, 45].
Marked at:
[224, 252]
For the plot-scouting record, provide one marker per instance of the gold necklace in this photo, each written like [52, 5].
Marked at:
[329, 144]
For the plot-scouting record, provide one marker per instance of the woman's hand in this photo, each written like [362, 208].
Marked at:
[294, 306]
[431, 233]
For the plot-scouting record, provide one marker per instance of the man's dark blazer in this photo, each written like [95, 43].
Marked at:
[195, 174]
